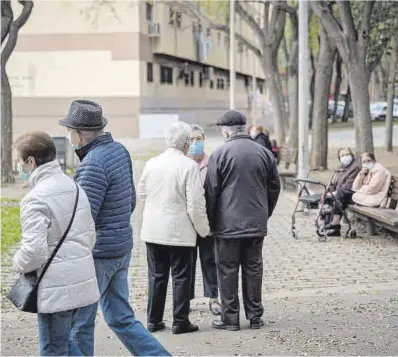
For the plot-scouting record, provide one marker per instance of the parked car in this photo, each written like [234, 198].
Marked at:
[378, 110]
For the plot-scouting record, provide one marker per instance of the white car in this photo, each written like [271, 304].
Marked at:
[378, 110]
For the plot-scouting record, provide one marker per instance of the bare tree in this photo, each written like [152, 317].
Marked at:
[390, 92]
[9, 37]
[337, 83]
[361, 47]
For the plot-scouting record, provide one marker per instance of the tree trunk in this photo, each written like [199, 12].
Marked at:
[312, 90]
[293, 95]
[323, 78]
[7, 175]
[358, 78]
[347, 103]
[337, 83]
[390, 94]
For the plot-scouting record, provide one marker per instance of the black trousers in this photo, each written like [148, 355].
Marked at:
[230, 255]
[162, 258]
[344, 198]
[208, 265]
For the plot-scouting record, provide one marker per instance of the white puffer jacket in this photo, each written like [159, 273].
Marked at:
[70, 281]
[174, 202]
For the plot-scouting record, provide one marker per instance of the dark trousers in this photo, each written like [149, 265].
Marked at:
[246, 253]
[162, 258]
[208, 265]
[343, 198]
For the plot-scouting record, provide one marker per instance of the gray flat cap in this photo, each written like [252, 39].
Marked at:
[231, 118]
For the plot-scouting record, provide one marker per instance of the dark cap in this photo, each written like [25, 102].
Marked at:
[84, 115]
[231, 118]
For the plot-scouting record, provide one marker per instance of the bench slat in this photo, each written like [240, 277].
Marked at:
[385, 215]
[394, 191]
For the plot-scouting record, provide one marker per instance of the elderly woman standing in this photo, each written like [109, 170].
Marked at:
[46, 211]
[205, 245]
[174, 213]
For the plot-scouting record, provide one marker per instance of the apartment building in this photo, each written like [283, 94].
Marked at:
[133, 57]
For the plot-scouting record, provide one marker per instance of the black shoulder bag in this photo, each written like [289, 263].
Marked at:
[24, 293]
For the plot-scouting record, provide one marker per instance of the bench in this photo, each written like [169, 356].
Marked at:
[386, 218]
[287, 165]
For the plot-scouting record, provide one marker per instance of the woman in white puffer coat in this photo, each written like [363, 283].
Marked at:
[70, 281]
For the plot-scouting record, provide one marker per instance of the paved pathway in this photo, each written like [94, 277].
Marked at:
[338, 297]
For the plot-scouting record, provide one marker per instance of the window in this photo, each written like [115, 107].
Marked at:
[261, 88]
[186, 79]
[200, 79]
[149, 72]
[211, 84]
[149, 12]
[192, 78]
[166, 75]
[175, 17]
[220, 83]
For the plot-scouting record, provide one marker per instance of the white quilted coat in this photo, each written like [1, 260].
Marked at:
[174, 202]
[70, 282]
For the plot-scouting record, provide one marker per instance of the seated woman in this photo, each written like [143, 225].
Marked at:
[347, 172]
[369, 189]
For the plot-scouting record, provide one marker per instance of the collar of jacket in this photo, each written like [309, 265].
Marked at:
[44, 171]
[239, 136]
[101, 140]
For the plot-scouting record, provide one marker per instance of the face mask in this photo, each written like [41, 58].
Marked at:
[196, 148]
[346, 160]
[23, 175]
[369, 165]
[253, 134]
[74, 140]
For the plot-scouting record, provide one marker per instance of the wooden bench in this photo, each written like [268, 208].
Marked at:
[386, 218]
[287, 165]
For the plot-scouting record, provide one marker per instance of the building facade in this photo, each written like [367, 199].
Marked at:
[133, 57]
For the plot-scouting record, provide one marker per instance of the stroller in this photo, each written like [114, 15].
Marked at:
[323, 202]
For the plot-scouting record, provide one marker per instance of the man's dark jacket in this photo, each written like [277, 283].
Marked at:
[242, 187]
[264, 141]
[106, 175]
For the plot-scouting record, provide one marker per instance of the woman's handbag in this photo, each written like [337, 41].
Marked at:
[24, 293]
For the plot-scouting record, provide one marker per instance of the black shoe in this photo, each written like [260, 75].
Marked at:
[336, 227]
[215, 308]
[178, 330]
[154, 327]
[219, 325]
[256, 323]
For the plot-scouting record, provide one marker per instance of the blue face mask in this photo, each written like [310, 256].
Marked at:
[23, 175]
[196, 148]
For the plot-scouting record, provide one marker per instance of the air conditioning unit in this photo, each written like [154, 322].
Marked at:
[153, 29]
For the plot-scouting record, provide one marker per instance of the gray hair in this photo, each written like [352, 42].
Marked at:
[178, 135]
[89, 136]
[196, 127]
[234, 129]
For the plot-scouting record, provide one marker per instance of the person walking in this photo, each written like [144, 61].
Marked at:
[242, 188]
[174, 213]
[260, 136]
[106, 175]
[46, 212]
[204, 245]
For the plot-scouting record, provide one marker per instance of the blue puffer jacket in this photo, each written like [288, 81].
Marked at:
[106, 175]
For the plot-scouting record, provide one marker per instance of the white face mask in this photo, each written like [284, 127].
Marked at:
[346, 160]
[369, 165]
[253, 134]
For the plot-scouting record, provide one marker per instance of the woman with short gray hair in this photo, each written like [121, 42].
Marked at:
[174, 214]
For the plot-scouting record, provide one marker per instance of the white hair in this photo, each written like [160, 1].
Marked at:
[178, 135]
[89, 136]
[234, 129]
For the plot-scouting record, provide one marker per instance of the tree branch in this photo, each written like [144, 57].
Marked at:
[366, 17]
[7, 17]
[14, 29]
[332, 26]
[347, 21]
[249, 19]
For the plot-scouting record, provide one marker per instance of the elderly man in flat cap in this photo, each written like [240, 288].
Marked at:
[242, 188]
[106, 175]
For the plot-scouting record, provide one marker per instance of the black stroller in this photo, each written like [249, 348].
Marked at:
[323, 202]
